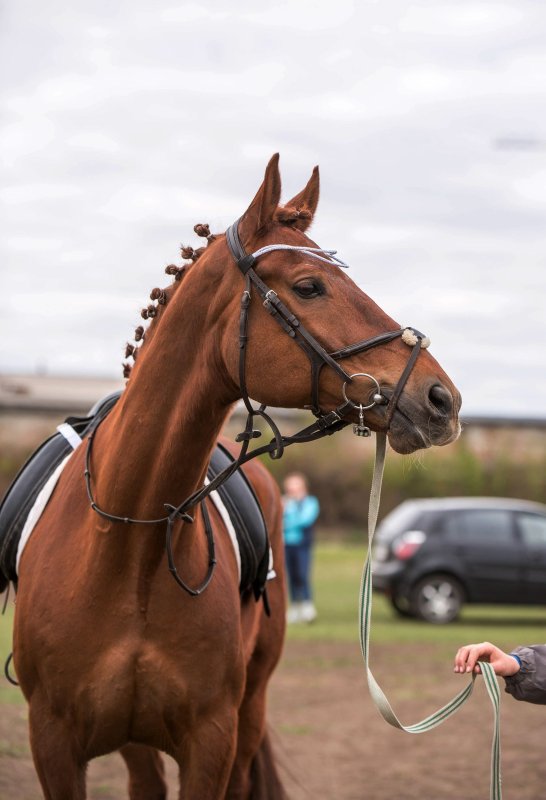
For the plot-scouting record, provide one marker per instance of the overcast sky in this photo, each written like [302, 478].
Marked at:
[124, 124]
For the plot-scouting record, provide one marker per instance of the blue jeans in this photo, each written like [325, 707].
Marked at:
[298, 565]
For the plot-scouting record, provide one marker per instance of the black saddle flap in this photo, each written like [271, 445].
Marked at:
[29, 482]
[246, 515]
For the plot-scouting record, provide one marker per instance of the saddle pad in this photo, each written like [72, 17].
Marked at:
[35, 482]
[37, 509]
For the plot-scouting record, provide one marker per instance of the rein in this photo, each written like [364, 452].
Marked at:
[326, 423]
[319, 358]
[377, 694]
[169, 519]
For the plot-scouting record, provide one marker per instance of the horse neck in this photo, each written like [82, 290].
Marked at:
[155, 446]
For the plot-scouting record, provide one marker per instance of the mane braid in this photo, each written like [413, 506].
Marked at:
[161, 296]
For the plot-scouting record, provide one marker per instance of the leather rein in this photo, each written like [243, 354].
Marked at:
[326, 423]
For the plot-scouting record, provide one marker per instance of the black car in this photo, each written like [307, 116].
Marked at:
[431, 556]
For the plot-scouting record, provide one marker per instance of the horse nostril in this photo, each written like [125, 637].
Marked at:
[440, 398]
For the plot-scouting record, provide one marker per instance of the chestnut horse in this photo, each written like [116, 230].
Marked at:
[110, 654]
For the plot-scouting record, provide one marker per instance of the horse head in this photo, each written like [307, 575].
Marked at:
[279, 320]
[325, 302]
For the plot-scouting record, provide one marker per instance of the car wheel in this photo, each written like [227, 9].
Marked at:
[437, 599]
[401, 605]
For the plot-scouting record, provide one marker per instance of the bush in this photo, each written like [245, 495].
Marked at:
[341, 480]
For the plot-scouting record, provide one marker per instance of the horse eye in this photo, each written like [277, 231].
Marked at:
[308, 288]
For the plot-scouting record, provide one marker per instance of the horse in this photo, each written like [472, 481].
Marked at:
[109, 653]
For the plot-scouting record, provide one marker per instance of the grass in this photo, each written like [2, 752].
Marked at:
[337, 569]
[8, 693]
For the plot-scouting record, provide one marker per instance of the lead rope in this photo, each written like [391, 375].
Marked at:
[365, 612]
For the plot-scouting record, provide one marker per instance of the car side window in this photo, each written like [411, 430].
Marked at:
[479, 526]
[533, 529]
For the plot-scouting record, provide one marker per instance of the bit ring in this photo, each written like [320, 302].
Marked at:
[360, 405]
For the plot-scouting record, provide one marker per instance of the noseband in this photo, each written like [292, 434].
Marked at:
[317, 355]
[326, 423]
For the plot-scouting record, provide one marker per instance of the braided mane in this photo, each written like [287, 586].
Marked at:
[285, 215]
[160, 297]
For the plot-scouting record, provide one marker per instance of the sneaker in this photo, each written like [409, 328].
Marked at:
[308, 612]
[294, 614]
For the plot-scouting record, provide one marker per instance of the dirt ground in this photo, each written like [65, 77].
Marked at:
[331, 742]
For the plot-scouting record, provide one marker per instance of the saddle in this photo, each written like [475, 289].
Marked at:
[236, 494]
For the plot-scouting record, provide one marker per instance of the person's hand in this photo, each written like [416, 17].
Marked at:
[502, 663]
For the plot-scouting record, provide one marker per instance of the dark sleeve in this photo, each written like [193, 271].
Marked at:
[530, 682]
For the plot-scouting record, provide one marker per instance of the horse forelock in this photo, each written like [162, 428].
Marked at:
[290, 215]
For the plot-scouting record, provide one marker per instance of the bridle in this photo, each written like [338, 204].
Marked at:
[326, 423]
[317, 355]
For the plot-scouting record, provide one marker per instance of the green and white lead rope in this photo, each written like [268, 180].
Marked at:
[365, 611]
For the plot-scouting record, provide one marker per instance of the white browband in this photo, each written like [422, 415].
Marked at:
[310, 251]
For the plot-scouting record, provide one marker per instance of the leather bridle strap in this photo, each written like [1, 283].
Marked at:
[367, 344]
[318, 356]
[398, 389]
[272, 303]
[283, 316]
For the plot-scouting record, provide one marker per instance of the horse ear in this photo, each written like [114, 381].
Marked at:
[306, 201]
[262, 209]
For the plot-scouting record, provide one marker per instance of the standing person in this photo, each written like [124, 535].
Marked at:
[301, 511]
[523, 670]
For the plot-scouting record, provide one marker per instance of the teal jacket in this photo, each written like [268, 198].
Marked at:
[298, 519]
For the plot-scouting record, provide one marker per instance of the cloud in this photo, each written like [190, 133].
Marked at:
[124, 127]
